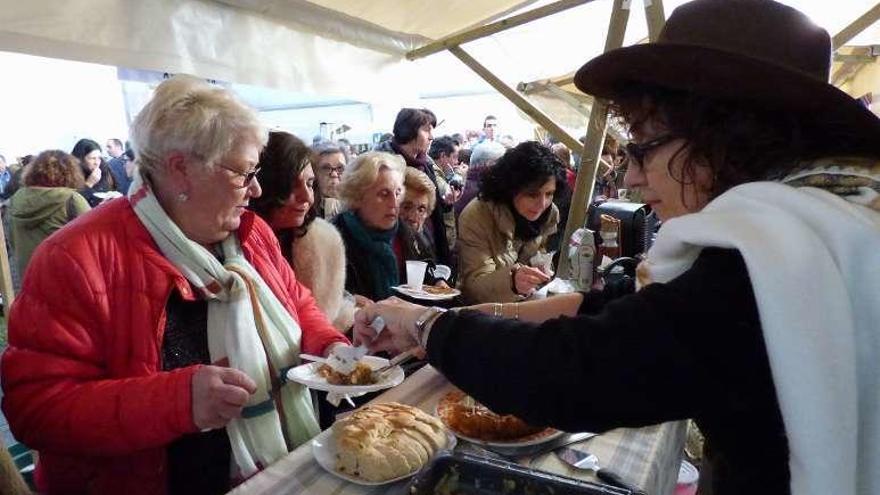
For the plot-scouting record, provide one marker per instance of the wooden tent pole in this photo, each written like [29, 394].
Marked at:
[596, 127]
[864, 21]
[852, 30]
[5, 272]
[656, 18]
[489, 29]
[517, 99]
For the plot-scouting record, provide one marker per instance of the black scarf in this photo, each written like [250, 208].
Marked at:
[525, 230]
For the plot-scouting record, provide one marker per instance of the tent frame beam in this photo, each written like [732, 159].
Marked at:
[517, 99]
[596, 129]
[489, 29]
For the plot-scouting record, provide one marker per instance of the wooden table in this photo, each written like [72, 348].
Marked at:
[645, 457]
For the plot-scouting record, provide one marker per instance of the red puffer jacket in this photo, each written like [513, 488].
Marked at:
[82, 376]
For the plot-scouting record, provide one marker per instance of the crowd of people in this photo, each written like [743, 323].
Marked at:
[160, 366]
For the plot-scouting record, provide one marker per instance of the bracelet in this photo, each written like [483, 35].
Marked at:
[423, 323]
[497, 310]
[516, 311]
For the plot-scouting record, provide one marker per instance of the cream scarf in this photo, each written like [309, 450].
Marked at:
[249, 327]
[812, 249]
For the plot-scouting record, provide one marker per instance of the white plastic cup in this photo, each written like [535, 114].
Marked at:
[415, 274]
[688, 478]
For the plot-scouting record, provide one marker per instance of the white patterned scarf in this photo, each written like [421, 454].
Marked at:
[811, 244]
[249, 328]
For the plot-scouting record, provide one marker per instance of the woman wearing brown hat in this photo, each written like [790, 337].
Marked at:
[757, 314]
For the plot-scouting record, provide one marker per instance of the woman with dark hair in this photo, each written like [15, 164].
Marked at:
[310, 244]
[413, 134]
[96, 174]
[508, 225]
[46, 203]
[758, 300]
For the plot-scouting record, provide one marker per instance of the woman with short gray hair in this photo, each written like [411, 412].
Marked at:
[161, 368]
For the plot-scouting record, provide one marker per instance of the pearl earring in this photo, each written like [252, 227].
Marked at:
[183, 197]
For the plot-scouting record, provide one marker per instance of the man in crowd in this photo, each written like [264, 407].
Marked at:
[117, 165]
[444, 152]
[328, 164]
[490, 125]
[114, 148]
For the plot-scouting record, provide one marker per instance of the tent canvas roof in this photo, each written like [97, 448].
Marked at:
[342, 48]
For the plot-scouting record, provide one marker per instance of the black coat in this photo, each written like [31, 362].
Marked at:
[690, 348]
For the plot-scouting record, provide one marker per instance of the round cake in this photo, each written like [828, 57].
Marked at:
[385, 441]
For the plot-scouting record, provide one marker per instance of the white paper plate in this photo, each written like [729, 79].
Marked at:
[307, 374]
[514, 444]
[425, 296]
[538, 438]
[324, 450]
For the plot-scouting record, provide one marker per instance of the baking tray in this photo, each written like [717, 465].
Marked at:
[465, 474]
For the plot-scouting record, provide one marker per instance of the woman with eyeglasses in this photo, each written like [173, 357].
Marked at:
[149, 341]
[757, 311]
[419, 200]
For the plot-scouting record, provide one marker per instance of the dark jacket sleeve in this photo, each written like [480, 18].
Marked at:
[641, 359]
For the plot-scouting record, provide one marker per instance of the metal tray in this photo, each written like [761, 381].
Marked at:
[465, 474]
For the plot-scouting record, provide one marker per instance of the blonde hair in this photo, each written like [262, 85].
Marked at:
[193, 117]
[416, 181]
[362, 173]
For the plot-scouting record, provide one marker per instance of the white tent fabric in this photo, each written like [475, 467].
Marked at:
[330, 47]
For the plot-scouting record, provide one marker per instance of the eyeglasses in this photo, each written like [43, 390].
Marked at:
[333, 170]
[639, 151]
[407, 207]
[248, 176]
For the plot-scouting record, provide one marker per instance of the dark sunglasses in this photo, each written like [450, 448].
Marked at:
[638, 151]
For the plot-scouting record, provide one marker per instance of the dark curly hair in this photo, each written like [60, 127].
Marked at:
[54, 168]
[281, 162]
[526, 166]
[736, 141]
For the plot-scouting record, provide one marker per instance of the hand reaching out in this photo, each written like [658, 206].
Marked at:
[400, 320]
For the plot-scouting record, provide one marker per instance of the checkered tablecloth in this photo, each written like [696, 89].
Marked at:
[645, 457]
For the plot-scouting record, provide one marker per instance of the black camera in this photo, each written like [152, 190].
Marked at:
[455, 181]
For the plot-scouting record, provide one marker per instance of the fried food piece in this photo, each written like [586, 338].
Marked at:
[472, 419]
[362, 375]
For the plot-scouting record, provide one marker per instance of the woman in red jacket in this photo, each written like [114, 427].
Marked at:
[160, 367]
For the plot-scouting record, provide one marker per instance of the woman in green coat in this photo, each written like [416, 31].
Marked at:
[46, 203]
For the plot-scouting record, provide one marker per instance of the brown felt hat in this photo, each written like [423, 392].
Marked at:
[745, 50]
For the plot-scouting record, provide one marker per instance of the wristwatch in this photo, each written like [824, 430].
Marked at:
[422, 322]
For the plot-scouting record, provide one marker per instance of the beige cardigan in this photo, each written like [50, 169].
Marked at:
[488, 251]
[319, 263]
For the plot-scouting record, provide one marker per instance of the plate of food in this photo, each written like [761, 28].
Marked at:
[469, 420]
[428, 292]
[320, 376]
[381, 443]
